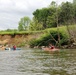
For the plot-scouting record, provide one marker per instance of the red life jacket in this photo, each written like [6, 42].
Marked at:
[52, 47]
[14, 47]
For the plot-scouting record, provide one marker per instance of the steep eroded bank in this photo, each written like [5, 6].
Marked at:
[17, 39]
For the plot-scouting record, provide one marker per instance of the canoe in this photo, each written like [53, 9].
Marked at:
[12, 49]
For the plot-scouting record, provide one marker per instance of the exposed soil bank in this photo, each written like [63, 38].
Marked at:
[18, 39]
[23, 40]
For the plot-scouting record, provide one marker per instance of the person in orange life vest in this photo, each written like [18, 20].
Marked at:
[14, 47]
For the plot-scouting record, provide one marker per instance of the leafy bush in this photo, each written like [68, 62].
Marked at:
[50, 36]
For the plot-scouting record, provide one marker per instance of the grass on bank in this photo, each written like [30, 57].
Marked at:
[61, 29]
[4, 32]
[18, 32]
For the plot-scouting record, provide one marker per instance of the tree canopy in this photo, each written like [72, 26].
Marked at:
[51, 16]
[24, 23]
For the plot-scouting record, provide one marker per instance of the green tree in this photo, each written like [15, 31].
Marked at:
[51, 20]
[66, 14]
[47, 16]
[74, 7]
[20, 27]
[53, 4]
[24, 23]
[35, 25]
[41, 15]
[74, 1]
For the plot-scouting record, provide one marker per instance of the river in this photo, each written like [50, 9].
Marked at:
[38, 62]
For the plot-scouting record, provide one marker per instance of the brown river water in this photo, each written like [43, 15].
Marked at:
[38, 62]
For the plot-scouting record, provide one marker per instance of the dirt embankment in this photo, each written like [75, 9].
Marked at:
[18, 39]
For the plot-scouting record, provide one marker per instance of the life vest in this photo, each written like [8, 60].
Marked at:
[52, 47]
[14, 47]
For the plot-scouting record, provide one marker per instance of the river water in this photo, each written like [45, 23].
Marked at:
[38, 62]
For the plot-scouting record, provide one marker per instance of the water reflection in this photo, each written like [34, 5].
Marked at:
[37, 62]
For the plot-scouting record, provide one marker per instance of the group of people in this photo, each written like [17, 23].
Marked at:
[2, 47]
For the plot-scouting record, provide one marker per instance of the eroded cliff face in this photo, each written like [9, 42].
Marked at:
[18, 40]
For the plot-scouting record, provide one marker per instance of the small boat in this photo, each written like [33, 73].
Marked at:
[49, 49]
[12, 49]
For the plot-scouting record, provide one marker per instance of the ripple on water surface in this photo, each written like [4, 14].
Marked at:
[37, 62]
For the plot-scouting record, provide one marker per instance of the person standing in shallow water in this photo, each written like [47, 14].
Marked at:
[14, 47]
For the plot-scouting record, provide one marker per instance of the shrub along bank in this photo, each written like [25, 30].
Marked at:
[56, 36]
